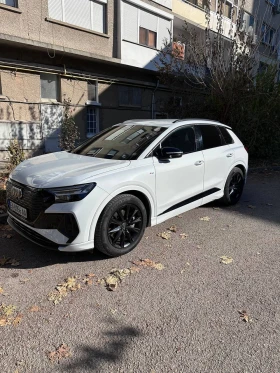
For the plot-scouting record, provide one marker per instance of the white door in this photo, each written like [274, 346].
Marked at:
[218, 158]
[179, 181]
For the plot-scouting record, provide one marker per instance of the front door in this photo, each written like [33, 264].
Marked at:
[179, 181]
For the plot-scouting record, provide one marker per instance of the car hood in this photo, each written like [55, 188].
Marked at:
[62, 169]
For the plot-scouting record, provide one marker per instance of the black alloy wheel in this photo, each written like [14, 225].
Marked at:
[234, 187]
[125, 226]
[121, 225]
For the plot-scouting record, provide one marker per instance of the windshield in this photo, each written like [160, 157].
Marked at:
[120, 142]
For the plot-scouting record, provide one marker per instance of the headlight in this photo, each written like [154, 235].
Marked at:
[71, 193]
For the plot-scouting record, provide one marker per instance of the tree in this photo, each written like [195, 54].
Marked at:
[69, 131]
[218, 78]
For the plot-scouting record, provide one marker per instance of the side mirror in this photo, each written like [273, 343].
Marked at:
[168, 153]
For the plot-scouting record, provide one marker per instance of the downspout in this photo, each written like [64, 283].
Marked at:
[153, 98]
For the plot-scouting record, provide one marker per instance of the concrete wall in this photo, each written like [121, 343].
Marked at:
[30, 23]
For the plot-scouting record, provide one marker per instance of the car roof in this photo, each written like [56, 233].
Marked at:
[172, 122]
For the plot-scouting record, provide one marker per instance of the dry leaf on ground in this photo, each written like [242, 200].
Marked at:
[226, 259]
[184, 235]
[115, 277]
[8, 315]
[164, 235]
[61, 290]
[12, 262]
[34, 309]
[5, 227]
[216, 208]
[7, 236]
[173, 228]
[1, 290]
[61, 352]
[179, 216]
[205, 218]
[244, 316]
[149, 263]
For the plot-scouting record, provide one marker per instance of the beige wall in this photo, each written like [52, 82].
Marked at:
[31, 25]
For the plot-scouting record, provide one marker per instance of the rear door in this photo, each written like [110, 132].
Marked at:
[218, 158]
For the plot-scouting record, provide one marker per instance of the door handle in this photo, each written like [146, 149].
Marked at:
[229, 155]
[198, 163]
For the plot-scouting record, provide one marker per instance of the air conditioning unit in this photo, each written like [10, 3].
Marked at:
[276, 8]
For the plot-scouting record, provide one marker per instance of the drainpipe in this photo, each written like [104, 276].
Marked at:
[153, 98]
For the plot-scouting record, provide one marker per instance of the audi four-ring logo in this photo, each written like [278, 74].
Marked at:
[16, 192]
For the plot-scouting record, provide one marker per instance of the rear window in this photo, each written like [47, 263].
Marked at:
[211, 137]
[228, 139]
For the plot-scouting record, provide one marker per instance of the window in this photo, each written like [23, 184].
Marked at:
[248, 22]
[92, 127]
[210, 136]
[230, 9]
[130, 96]
[49, 86]
[111, 142]
[147, 37]
[228, 139]
[88, 14]
[9, 3]
[92, 91]
[268, 35]
[183, 139]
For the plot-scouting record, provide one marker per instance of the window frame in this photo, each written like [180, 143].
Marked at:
[131, 105]
[11, 6]
[266, 33]
[96, 114]
[201, 143]
[58, 88]
[147, 31]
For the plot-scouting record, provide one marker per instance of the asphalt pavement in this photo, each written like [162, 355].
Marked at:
[194, 315]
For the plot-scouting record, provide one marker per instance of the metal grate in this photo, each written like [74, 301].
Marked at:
[32, 200]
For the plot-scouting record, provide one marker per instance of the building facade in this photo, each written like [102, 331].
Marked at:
[101, 55]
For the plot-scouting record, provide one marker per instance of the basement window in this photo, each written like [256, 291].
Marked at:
[130, 96]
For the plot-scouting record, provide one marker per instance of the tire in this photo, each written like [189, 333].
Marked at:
[233, 187]
[120, 226]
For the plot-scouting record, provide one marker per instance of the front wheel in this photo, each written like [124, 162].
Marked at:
[234, 187]
[121, 225]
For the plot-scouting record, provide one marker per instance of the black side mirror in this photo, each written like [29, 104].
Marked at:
[168, 153]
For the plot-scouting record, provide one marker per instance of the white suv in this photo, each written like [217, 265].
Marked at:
[130, 176]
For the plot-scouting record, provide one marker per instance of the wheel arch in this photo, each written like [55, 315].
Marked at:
[146, 198]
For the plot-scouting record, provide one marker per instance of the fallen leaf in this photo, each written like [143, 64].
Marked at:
[7, 315]
[251, 207]
[216, 208]
[244, 316]
[173, 228]
[205, 218]
[34, 309]
[226, 259]
[115, 277]
[12, 262]
[184, 235]
[1, 290]
[17, 319]
[149, 263]
[61, 352]
[198, 247]
[164, 235]
[179, 216]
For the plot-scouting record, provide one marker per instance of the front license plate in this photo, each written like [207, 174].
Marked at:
[18, 209]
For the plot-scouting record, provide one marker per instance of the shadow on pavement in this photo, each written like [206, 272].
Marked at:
[114, 344]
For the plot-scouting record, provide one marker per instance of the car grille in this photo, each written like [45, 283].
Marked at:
[32, 199]
[31, 235]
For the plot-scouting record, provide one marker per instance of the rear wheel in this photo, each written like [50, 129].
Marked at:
[121, 225]
[234, 187]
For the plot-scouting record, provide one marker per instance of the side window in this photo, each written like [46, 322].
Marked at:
[226, 135]
[183, 139]
[211, 137]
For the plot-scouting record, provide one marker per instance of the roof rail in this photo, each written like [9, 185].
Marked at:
[182, 120]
